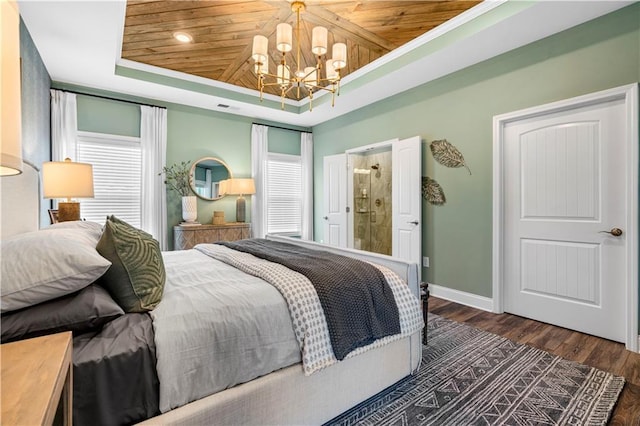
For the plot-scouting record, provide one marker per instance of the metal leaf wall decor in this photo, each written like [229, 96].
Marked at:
[447, 154]
[432, 192]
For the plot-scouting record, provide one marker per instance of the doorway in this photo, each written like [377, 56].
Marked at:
[396, 203]
[566, 214]
[372, 208]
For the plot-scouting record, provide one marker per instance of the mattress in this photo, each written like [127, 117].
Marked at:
[217, 327]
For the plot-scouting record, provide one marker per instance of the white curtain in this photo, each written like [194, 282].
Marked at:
[153, 141]
[306, 152]
[64, 126]
[259, 153]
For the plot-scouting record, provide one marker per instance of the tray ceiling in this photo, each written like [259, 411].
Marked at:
[223, 31]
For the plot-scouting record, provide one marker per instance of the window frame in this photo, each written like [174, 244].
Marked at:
[86, 137]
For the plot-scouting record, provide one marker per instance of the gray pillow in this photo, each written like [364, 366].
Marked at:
[89, 309]
[47, 264]
[136, 277]
[93, 230]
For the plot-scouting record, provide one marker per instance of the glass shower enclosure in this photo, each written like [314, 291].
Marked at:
[372, 207]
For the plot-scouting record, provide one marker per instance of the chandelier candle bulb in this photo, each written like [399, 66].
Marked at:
[284, 37]
[260, 45]
[339, 55]
[283, 75]
[332, 74]
[262, 67]
[319, 41]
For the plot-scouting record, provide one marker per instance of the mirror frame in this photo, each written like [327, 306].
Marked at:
[192, 179]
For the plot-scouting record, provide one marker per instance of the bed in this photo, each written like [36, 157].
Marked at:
[278, 383]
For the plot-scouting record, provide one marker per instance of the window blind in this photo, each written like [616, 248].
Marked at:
[284, 194]
[117, 170]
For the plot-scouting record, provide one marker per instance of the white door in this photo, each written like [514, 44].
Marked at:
[406, 162]
[565, 183]
[335, 200]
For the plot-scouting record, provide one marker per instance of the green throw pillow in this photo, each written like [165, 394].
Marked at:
[136, 277]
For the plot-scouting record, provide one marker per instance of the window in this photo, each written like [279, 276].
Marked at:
[117, 171]
[284, 194]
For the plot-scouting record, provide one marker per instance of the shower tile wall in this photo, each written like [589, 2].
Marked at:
[372, 211]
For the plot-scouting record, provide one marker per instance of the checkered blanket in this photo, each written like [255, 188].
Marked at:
[308, 317]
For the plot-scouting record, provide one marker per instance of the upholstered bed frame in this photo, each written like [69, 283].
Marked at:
[286, 396]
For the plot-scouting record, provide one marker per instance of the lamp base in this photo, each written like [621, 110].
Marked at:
[68, 211]
[240, 209]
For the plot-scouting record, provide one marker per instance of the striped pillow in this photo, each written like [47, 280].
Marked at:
[136, 277]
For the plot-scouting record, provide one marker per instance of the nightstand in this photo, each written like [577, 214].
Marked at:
[187, 236]
[36, 377]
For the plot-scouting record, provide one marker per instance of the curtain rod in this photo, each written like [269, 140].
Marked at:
[110, 98]
[282, 128]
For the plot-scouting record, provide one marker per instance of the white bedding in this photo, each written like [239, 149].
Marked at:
[309, 322]
[223, 346]
[217, 326]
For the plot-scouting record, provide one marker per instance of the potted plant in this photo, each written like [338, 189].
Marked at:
[177, 177]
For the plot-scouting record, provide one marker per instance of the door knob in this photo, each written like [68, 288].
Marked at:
[326, 218]
[415, 222]
[616, 232]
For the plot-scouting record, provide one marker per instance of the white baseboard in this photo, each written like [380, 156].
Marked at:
[461, 297]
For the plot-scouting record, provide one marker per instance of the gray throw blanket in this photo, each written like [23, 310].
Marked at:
[357, 301]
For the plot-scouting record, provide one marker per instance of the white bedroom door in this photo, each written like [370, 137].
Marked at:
[565, 213]
[335, 200]
[407, 200]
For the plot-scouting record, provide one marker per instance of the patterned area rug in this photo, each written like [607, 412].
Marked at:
[472, 377]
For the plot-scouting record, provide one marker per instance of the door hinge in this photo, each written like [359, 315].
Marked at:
[348, 209]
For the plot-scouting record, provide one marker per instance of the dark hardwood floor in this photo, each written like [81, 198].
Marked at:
[593, 351]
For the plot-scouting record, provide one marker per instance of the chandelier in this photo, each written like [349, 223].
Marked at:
[307, 78]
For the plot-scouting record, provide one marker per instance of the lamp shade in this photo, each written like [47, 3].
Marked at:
[339, 55]
[10, 124]
[284, 37]
[259, 50]
[222, 187]
[66, 179]
[241, 186]
[319, 40]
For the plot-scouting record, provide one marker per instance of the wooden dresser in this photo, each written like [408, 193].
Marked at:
[185, 237]
[36, 377]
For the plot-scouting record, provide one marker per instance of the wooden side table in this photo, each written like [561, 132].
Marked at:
[185, 237]
[36, 375]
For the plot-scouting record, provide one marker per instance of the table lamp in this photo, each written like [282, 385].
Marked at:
[66, 179]
[240, 187]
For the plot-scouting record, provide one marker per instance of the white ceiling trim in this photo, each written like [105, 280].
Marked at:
[80, 44]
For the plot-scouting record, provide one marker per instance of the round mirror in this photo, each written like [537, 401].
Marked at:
[205, 176]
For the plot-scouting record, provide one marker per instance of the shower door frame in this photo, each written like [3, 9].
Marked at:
[350, 194]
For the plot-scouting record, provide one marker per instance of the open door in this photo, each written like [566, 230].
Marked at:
[335, 200]
[407, 200]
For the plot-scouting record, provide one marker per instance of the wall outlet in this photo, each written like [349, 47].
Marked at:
[425, 261]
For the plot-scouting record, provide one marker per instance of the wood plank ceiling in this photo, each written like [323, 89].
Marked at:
[223, 31]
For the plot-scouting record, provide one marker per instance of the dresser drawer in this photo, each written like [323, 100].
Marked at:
[186, 237]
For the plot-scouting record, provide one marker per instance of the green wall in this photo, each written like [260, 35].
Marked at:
[457, 237]
[284, 141]
[107, 116]
[192, 133]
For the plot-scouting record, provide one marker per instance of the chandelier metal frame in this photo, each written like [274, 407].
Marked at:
[308, 78]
